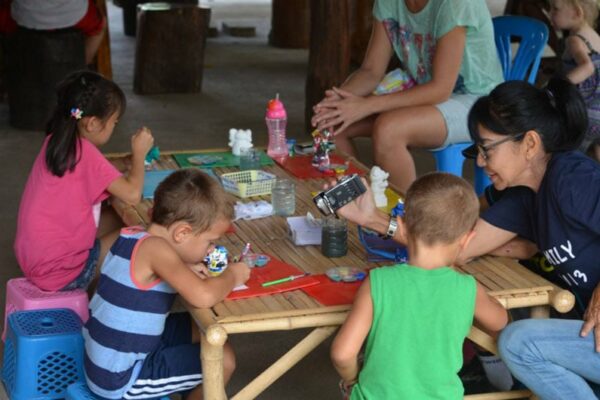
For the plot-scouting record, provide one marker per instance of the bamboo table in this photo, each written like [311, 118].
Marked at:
[505, 279]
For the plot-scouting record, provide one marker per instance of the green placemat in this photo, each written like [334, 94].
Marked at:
[226, 159]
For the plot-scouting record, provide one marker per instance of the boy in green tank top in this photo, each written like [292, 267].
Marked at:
[414, 317]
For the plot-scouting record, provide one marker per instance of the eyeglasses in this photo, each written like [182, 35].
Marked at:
[484, 149]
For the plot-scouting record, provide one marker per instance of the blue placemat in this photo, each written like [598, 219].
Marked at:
[153, 178]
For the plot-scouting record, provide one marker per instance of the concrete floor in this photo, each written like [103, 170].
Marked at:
[240, 76]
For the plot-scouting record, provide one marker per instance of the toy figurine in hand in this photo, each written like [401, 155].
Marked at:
[379, 182]
[322, 145]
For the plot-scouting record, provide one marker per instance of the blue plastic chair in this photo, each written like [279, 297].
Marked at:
[532, 35]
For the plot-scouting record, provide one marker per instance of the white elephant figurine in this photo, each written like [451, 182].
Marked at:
[240, 139]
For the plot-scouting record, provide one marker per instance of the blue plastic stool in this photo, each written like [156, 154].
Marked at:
[450, 159]
[43, 354]
[80, 391]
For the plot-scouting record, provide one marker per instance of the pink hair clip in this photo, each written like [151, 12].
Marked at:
[76, 113]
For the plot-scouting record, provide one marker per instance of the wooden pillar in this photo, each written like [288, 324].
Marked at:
[169, 54]
[103, 61]
[362, 24]
[290, 22]
[329, 55]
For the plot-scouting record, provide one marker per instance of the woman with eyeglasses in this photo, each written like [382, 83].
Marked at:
[525, 139]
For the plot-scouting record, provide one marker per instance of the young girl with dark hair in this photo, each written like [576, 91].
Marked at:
[60, 209]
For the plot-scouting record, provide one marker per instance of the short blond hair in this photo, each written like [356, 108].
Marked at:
[440, 208]
[191, 196]
[589, 7]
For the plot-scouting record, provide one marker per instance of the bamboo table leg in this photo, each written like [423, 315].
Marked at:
[540, 312]
[211, 355]
[287, 361]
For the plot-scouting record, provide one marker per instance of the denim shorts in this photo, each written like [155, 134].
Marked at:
[88, 273]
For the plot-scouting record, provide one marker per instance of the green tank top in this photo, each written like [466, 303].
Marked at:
[414, 347]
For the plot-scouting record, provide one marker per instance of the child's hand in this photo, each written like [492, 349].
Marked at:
[240, 271]
[200, 269]
[141, 142]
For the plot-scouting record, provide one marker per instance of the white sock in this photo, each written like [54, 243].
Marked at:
[496, 371]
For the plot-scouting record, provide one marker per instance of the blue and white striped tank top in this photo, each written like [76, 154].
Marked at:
[126, 320]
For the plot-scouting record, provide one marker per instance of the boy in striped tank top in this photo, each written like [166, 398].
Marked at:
[414, 317]
[133, 348]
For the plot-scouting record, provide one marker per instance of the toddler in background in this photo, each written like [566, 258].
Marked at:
[581, 59]
[414, 317]
[59, 213]
[155, 354]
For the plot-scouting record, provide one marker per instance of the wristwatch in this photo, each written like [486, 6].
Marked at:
[391, 229]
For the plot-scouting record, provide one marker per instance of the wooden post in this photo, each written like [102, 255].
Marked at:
[290, 22]
[362, 24]
[329, 55]
[211, 355]
[169, 54]
[103, 61]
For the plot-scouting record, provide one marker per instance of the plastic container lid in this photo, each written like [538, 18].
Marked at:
[346, 274]
[275, 109]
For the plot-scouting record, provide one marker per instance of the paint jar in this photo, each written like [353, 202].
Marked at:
[249, 159]
[334, 237]
[283, 197]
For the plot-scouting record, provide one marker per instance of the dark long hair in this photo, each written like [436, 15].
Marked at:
[557, 113]
[95, 96]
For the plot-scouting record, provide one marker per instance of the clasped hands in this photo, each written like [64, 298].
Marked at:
[338, 110]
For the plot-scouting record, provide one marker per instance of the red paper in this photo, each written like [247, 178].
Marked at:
[330, 293]
[300, 166]
[275, 269]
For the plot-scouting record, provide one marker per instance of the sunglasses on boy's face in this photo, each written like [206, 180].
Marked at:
[483, 149]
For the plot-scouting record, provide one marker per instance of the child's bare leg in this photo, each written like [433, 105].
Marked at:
[92, 44]
[108, 232]
[344, 142]
[109, 221]
[395, 132]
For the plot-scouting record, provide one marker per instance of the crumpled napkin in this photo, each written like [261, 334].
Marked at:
[253, 210]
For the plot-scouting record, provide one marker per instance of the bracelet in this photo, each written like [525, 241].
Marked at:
[391, 229]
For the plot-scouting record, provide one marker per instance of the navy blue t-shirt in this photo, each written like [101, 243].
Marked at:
[562, 218]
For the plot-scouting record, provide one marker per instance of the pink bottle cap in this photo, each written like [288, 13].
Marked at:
[275, 109]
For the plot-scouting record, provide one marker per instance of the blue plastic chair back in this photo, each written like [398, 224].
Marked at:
[532, 35]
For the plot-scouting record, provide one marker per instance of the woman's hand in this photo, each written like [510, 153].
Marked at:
[320, 108]
[340, 111]
[592, 318]
[360, 210]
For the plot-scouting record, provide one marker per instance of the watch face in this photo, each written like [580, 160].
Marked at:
[392, 227]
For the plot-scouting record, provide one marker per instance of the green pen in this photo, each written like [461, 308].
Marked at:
[282, 280]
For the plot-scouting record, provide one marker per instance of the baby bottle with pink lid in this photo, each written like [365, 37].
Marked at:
[276, 119]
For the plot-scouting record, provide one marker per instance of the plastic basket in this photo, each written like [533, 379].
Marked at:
[248, 183]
